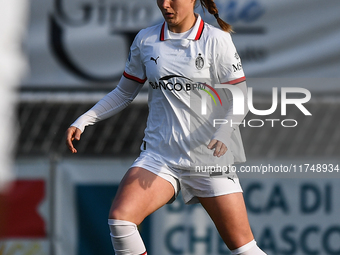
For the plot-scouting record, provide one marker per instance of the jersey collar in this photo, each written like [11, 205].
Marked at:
[194, 35]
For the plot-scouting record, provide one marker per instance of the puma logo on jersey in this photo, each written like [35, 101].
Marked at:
[229, 178]
[154, 59]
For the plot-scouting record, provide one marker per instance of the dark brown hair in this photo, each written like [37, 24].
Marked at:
[212, 9]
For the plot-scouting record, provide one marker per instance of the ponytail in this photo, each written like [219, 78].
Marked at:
[212, 9]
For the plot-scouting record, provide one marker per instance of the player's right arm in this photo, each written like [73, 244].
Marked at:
[112, 103]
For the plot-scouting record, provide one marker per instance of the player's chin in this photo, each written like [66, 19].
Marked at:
[170, 20]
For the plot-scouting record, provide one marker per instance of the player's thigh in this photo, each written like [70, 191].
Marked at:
[229, 214]
[140, 193]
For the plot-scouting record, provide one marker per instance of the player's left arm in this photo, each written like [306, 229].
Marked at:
[230, 73]
[221, 137]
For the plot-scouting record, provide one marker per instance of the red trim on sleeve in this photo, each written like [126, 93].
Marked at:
[128, 76]
[236, 81]
[161, 37]
[200, 30]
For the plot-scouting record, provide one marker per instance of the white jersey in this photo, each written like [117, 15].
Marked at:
[183, 103]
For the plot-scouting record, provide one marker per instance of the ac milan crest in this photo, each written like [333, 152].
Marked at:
[199, 62]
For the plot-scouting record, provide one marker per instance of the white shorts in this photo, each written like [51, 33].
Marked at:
[192, 186]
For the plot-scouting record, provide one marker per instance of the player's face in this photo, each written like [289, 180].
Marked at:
[179, 14]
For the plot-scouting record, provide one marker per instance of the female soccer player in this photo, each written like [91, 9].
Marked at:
[182, 58]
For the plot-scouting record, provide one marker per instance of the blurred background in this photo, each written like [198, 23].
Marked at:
[58, 58]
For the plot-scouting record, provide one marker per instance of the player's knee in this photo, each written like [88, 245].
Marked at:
[119, 214]
[125, 214]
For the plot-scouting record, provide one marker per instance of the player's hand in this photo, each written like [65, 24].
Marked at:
[220, 148]
[72, 133]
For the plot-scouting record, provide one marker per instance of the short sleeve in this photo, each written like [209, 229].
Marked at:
[134, 67]
[228, 62]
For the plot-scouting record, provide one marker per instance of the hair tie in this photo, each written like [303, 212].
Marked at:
[216, 15]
